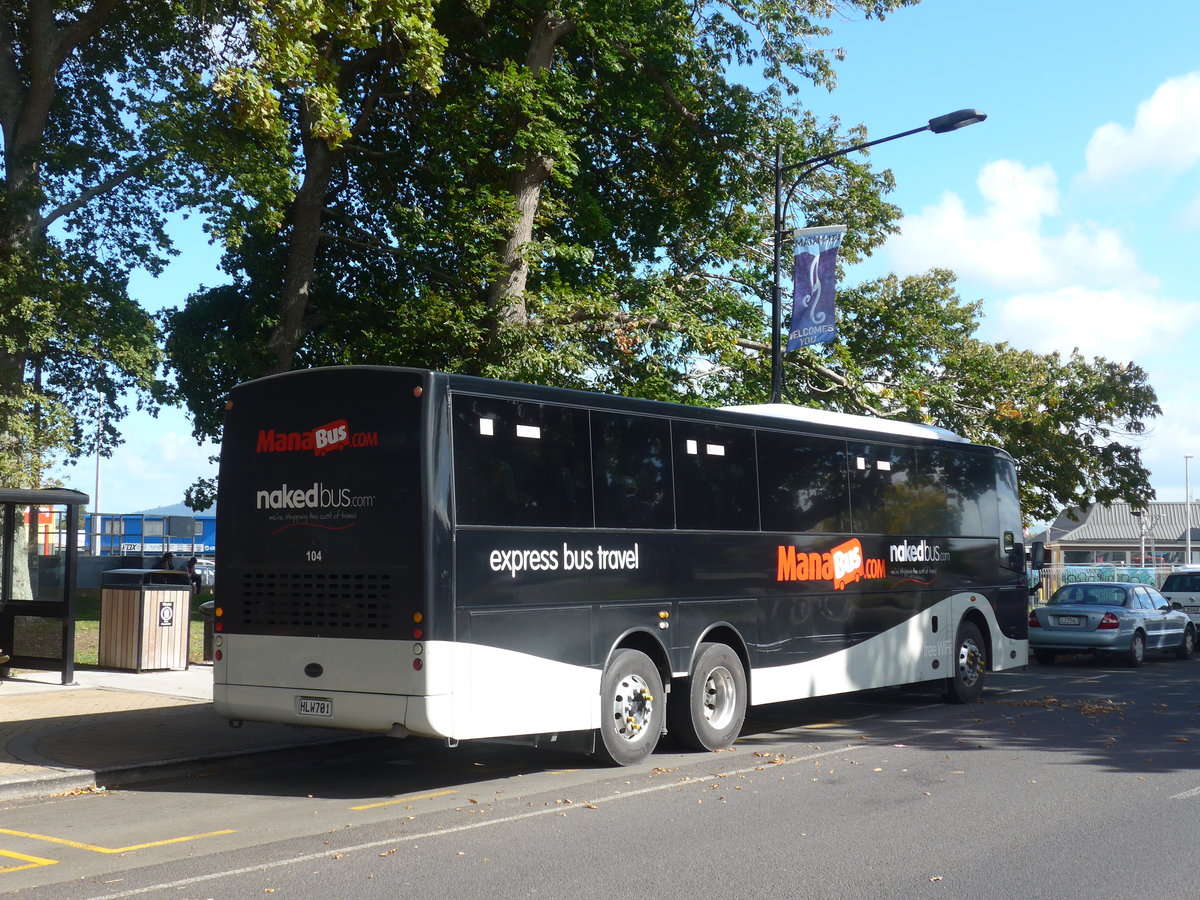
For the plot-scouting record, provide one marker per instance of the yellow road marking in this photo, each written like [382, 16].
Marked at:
[824, 725]
[94, 848]
[404, 800]
[31, 862]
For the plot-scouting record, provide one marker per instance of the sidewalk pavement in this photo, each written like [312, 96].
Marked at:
[114, 727]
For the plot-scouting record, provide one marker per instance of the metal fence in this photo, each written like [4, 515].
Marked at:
[1054, 577]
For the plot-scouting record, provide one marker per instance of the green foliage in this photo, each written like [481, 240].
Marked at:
[92, 166]
[289, 59]
[581, 195]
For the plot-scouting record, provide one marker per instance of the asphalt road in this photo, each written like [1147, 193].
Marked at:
[1075, 780]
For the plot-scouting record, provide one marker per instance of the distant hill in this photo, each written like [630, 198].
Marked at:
[177, 510]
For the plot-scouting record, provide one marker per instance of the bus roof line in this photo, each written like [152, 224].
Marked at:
[847, 420]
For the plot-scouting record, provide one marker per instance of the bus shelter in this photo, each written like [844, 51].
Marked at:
[39, 548]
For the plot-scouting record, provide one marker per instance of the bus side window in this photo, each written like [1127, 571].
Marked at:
[966, 483]
[715, 477]
[631, 471]
[884, 488]
[802, 481]
[518, 463]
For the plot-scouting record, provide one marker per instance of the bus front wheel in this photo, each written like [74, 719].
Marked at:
[965, 684]
[707, 713]
[632, 705]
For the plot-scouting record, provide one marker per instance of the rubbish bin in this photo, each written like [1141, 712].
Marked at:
[144, 619]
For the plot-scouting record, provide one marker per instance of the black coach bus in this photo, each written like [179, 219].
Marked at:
[409, 552]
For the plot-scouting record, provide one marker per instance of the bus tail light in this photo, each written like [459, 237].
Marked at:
[1109, 621]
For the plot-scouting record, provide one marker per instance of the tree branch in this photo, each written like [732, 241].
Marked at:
[87, 196]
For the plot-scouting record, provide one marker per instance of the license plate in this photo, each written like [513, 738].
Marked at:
[314, 706]
[1069, 620]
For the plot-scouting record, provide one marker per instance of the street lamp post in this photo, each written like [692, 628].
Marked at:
[939, 125]
[1187, 511]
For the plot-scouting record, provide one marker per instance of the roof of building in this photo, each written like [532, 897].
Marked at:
[1164, 521]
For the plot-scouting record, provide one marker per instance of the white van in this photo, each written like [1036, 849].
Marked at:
[1183, 587]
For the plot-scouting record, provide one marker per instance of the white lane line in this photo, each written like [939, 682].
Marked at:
[393, 841]
[1194, 792]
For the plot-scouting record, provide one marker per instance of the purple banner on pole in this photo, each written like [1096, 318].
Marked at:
[814, 282]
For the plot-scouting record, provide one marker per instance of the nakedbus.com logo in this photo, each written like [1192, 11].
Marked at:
[921, 551]
[318, 496]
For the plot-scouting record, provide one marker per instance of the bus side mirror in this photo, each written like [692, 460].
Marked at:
[1037, 555]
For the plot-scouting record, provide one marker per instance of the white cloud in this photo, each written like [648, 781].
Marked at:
[1119, 324]
[1009, 246]
[158, 461]
[1165, 135]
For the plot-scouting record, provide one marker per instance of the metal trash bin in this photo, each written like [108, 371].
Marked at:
[144, 619]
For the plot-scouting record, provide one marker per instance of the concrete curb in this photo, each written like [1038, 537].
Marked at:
[65, 781]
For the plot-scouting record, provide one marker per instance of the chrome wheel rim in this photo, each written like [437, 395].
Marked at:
[720, 698]
[632, 708]
[971, 662]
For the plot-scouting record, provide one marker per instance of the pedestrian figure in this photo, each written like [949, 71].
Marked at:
[193, 575]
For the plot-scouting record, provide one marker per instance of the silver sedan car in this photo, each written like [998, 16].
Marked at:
[1109, 617]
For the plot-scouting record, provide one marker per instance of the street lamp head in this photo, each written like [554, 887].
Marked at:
[958, 119]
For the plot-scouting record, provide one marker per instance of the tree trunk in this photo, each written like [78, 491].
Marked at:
[308, 210]
[506, 295]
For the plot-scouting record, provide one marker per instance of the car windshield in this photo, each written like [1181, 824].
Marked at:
[1090, 595]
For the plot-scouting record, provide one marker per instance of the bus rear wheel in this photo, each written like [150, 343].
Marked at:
[965, 684]
[708, 712]
[631, 708]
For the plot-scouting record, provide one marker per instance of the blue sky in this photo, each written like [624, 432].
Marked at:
[1073, 212]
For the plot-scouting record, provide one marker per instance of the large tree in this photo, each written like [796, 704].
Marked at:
[578, 175]
[98, 102]
[585, 200]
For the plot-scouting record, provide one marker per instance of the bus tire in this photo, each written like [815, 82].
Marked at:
[965, 685]
[632, 706]
[707, 713]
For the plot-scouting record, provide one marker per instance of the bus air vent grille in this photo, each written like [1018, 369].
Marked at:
[318, 602]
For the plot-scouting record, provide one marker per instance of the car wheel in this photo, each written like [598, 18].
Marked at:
[1188, 645]
[1045, 657]
[1137, 650]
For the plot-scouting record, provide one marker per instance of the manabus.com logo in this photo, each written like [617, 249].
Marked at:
[335, 435]
[841, 565]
